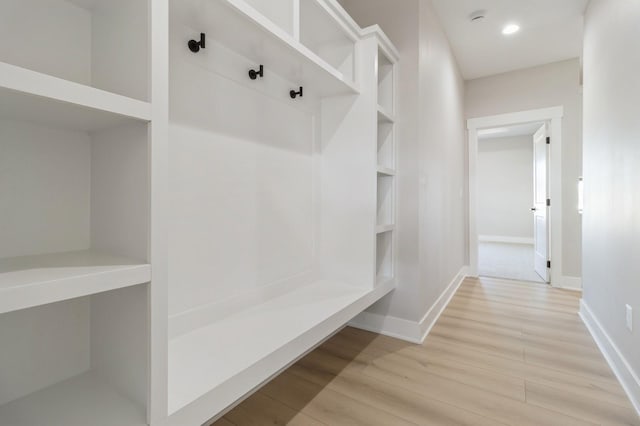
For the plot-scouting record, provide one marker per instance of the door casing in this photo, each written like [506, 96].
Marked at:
[553, 116]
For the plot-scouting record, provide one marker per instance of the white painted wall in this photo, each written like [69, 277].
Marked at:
[505, 187]
[540, 87]
[45, 182]
[611, 228]
[443, 174]
[430, 150]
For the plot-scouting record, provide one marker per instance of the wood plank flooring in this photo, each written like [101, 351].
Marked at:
[502, 353]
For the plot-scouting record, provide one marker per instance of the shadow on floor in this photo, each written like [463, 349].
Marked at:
[283, 400]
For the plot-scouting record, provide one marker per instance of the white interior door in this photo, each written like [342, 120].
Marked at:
[540, 206]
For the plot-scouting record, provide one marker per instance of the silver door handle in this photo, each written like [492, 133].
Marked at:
[533, 209]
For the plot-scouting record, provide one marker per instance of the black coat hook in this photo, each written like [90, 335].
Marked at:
[253, 74]
[295, 94]
[195, 46]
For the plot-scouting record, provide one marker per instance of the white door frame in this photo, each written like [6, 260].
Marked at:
[554, 116]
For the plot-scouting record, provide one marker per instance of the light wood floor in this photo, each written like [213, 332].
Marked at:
[502, 353]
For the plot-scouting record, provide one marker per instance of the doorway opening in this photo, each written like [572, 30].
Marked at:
[512, 237]
[515, 195]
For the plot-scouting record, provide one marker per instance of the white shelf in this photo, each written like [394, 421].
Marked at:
[79, 401]
[326, 32]
[384, 116]
[385, 281]
[386, 171]
[241, 28]
[29, 281]
[32, 96]
[385, 256]
[219, 357]
[381, 229]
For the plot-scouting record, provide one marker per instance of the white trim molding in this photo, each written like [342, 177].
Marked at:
[618, 363]
[553, 116]
[504, 239]
[410, 331]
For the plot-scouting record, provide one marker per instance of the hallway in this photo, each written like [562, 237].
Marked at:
[501, 353]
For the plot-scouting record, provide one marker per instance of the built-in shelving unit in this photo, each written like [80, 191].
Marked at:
[258, 283]
[215, 359]
[75, 136]
[386, 59]
[176, 229]
[304, 57]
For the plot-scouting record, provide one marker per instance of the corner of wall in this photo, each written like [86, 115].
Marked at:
[570, 283]
[403, 329]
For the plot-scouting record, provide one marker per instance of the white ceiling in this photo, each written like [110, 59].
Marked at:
[551, 31]
[511, 131]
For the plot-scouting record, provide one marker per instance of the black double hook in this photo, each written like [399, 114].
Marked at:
[195, 45]
[253, 74]
[295, 94]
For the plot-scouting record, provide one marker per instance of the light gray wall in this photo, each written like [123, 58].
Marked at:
[431, 160]
[541, 87]
[443, 171]
[611, 246]
[505, 187]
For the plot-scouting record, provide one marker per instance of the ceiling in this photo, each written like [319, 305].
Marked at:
[511, 131]
[551, 31]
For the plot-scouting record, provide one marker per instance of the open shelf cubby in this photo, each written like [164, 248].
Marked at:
[386, 199]
[384, 257]
[386, 146]
[78, 362]
[386, 83]
[102, 44]
[323, 35]
[279, 12]
[385, 116]
[74, 205]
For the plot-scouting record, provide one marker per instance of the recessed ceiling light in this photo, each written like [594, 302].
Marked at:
[511, 29]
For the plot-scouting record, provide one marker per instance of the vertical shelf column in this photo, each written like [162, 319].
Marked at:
[386, 162]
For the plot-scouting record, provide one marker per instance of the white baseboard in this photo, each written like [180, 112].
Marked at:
[410, 331]
[398, 328]
[504, 239]
[618, 363]
[570, 283]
